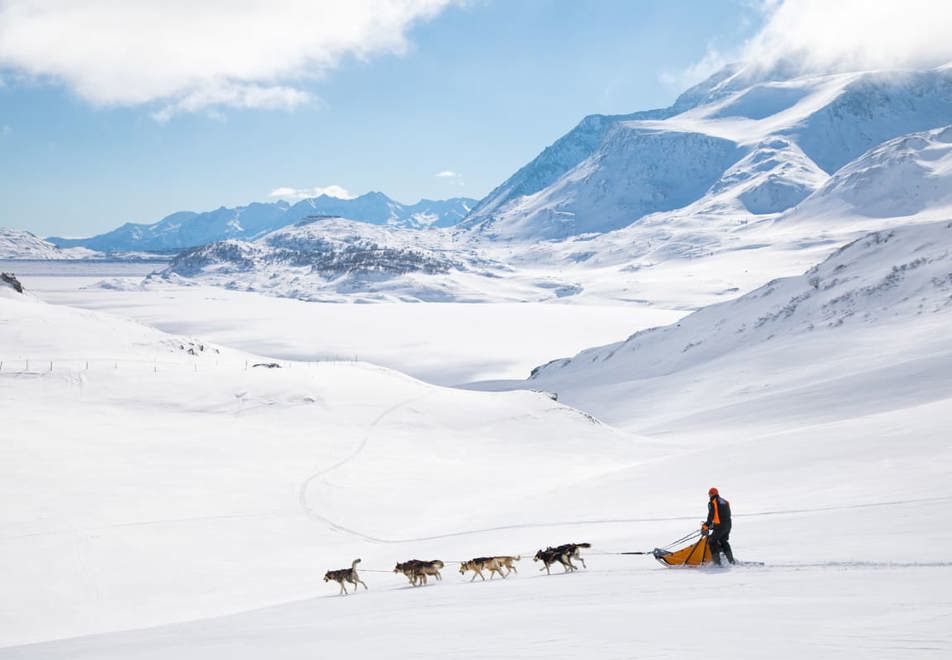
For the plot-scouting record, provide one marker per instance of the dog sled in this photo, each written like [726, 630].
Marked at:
[696, 554]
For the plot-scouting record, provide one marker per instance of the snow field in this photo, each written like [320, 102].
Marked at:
[139, 499]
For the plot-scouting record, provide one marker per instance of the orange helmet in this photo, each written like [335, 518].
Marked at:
[712, 492]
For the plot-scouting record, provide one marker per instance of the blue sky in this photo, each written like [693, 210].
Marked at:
[480, 90]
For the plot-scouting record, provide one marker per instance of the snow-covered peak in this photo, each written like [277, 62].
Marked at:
[610, 171]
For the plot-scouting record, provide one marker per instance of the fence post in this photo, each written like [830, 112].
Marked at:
[51, 366]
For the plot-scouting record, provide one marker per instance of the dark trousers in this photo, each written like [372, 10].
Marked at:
[719, 542]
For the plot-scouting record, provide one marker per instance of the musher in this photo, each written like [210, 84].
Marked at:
[718, 524]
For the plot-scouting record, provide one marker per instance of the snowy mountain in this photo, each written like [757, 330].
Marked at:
[780, 134]
[20, 244]
[188, 229]
[322, 257]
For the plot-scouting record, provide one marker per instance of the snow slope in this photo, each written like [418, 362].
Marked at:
[168, 467]
[881, 301]
[188, 229]
[905, 176]
[19, 244]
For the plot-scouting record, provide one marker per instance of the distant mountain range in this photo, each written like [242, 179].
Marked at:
[187, 229]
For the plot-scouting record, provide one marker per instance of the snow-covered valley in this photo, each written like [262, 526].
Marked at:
[215, 488]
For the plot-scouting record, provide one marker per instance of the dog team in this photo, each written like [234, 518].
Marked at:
[417, 570]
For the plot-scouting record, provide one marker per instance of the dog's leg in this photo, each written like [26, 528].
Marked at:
[359, 580]
[583, 561]
[343, 591]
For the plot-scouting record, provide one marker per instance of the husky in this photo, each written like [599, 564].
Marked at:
[417, 570]
[492, 564]
[508, 563]
[345, 575]
[563, 554]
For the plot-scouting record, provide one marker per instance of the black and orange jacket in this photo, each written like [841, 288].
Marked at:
[718, 512]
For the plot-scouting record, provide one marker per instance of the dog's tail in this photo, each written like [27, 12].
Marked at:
[581, 545]
[354, 565]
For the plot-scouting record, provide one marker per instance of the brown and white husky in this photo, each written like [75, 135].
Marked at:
[345, 575]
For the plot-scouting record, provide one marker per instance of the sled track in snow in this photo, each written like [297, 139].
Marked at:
[303, 488]
[319, 517]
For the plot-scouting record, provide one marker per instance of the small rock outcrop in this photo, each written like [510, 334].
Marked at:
[11, 280]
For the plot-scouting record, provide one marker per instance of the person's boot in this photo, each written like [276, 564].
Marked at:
[729, 553]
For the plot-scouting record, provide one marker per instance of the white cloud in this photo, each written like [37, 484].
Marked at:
[297, 194]
[854, 34]
[186, 56]
[277, 97]
[447, 174]
[845, 35]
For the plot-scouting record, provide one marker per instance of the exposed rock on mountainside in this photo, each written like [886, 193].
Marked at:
[330, 247]
[10, 280]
